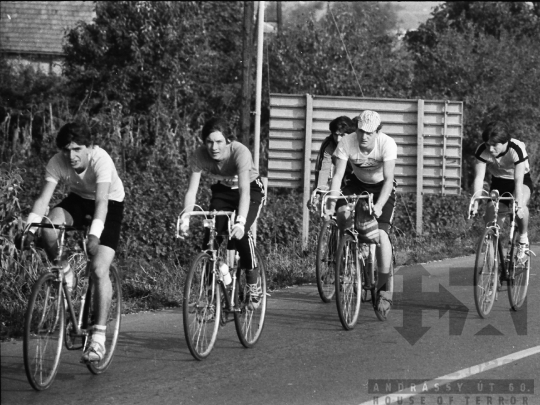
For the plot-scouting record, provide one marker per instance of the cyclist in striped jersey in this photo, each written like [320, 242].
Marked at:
[506, 159]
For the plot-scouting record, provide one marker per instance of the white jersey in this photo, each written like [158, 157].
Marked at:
[503, 165]
[101, 169]
[368, 168]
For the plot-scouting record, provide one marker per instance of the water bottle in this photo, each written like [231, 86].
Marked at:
[225, 273]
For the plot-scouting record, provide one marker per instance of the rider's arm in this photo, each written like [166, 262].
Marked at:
[478, 184]
[191, 193]
[479, 174]
[42, 202]
[244, 189]
[325, 172]
[388, 175]
[336, 182]
[100, 209]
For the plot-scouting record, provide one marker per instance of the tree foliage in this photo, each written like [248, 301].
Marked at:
[347, 51]
[175, 57]
[485, 54]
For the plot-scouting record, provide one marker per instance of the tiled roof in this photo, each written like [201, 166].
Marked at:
[37, 27]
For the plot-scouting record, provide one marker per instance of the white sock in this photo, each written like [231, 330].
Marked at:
[524, 238]
[68, 275]
[98, 335]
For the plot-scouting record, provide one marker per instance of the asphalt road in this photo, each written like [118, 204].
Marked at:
[305, 357]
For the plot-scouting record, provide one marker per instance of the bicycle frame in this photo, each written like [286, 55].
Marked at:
[232, 255]
[80, 329]
[495, 198]
[366, 257]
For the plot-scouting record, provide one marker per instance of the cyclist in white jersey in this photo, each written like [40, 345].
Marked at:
[506, 159]
[95, 191]
[372, 155]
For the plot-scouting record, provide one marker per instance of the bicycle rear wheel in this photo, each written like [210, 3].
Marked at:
[348, 286]
[44, 332]
[517, 287]
[485, 274]
[250, 322]
[201, 307]
[113, 323]
[326, 260]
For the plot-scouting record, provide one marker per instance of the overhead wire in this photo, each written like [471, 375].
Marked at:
[346, 51]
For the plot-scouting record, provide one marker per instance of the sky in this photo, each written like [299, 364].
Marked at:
[413, 13]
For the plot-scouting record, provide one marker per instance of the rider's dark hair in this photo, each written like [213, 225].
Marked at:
[342, 124]
[216, 124]
[496, 131]
[77, 132]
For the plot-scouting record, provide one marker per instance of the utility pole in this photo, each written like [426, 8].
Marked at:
[279, 17]
[247, 43]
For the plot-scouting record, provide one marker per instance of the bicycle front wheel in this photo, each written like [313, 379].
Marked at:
[201, 307]
[485, 274]
[44, 332]
[326, 260]
[348, 286]
[113, 323]
[249, 321]
[518, 285]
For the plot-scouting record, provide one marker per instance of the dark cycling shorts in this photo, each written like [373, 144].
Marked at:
[355, 186]
[508, 186]
[79, 208]
[227, 199]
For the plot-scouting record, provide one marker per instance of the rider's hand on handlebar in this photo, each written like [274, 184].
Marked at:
[330, 209]
[28, 240]
[313, 203]
[184, 227]
[92, 245]
[237, 231]
[474, 209]
[377, 211]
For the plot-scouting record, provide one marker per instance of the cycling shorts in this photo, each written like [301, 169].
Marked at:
[355, 186]
[79, 208]
[508, 186]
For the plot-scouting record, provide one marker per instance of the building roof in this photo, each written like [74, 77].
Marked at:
[37, 27]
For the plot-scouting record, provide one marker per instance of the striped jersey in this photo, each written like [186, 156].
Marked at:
[503, 165]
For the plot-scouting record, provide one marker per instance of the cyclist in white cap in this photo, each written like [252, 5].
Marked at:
[372, 155]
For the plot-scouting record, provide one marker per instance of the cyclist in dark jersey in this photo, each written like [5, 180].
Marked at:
[238, 187]
[506, 159]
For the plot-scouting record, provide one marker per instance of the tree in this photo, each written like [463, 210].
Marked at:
[312, 55]
[182, 57]
[487, 55]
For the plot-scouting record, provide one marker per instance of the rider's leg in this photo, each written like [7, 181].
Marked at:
[49, 241]
[384, 259]
[523, 222]
[99, 272]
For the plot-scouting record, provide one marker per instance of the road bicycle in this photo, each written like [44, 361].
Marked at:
[492, 264]
[327, 245]
[216, 288]
[47, 327]
[356, 267]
